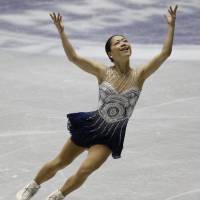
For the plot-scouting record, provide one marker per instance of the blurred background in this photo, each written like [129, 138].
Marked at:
[39, 86]
[26, 25]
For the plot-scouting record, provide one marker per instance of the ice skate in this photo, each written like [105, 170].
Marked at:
[56, 195]
[28, 191]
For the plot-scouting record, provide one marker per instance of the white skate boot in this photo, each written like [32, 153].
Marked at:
[28, 191]
[56, 195]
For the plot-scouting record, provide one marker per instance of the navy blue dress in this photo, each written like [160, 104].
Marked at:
[107, 124]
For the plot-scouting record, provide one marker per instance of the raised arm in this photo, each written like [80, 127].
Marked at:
[94, 67]
[154, 64]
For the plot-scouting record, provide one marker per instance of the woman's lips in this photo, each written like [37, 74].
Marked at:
[125, 49]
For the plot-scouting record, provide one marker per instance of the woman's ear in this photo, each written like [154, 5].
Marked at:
[109, 54]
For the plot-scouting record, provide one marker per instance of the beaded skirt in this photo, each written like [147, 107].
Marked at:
[89, 128]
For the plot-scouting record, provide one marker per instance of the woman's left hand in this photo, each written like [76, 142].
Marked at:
[171, 17]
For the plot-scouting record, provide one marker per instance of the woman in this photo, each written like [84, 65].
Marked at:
[102, 131]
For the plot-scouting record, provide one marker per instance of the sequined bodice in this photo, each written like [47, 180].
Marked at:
[114, 105]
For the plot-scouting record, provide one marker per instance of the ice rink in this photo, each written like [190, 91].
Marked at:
[160, 159]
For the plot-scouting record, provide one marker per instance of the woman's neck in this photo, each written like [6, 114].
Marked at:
[122, 67]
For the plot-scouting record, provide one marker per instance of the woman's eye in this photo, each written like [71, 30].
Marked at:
[118, 42]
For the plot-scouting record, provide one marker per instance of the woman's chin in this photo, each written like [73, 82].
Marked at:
[127, 55]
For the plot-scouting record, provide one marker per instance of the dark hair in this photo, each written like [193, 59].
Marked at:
[108, 45]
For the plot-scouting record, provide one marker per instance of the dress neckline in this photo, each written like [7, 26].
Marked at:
[134, 88]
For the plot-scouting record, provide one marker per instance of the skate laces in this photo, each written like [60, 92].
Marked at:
[30, 190]
[57, 196]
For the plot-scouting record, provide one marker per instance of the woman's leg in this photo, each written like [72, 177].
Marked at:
[68, 153]
[97, 154]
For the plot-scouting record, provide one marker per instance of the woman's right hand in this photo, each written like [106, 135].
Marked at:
[57, 20]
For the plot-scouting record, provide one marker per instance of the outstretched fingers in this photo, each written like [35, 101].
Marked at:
[171, 11]
[54, 15]
[51, 16]
[59, 17]
[55, 18]
[175, 8]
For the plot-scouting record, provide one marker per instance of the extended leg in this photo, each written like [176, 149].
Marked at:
[68, 153]
[97, 154]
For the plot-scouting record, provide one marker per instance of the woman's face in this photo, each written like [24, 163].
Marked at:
[120, 48]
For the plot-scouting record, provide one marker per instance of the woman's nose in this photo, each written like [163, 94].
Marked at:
[123, 44]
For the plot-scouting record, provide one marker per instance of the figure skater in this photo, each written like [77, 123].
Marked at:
[101, 132]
